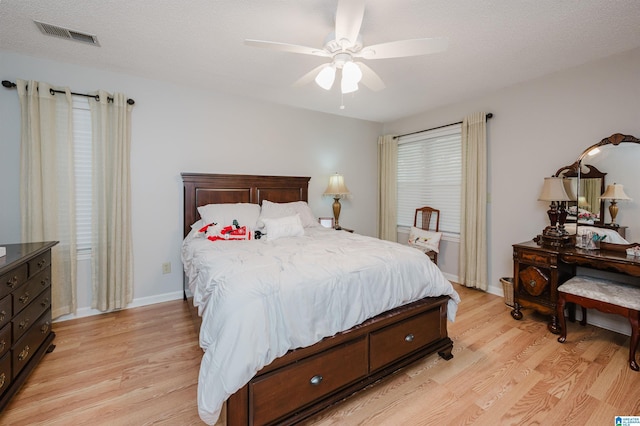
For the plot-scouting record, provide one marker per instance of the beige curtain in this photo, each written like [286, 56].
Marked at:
[473, 226]
[387, 188]
[591, 189]
[112, 257]
[47, 196]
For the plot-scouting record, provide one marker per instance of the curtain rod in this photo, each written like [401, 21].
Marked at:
[489, 115]
[11, 85]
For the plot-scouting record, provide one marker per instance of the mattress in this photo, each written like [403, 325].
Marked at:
[259, 299]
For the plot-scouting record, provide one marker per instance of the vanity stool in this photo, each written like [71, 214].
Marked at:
[606, 296]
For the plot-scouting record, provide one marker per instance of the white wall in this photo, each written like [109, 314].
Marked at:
[177, 129]
[538, 127]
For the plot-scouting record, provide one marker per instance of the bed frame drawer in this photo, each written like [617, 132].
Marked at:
[396, 341]
[277, 394]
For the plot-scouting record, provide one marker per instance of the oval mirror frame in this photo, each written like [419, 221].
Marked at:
[615, 140]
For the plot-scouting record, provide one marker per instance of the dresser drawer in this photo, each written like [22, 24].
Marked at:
[13, 279]
[25, 294]
[393, 342]
[38, 263]
[6, 312]
[5, 339]
[535, 258]
[5, 372]
[23, 349]
[275, 395]
[23, 321]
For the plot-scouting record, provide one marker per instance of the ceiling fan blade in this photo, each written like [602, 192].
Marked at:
[349, 20]
[310, 76]
[286, 47]
[403, 48]
[370, 78]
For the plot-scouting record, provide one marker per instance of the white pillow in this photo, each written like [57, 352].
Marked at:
[289, 226]
[425, 240]
[223, 214]
[277, 210]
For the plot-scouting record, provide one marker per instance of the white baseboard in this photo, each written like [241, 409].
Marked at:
[143, 301]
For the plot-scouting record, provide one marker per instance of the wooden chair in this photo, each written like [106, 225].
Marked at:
[426, 213]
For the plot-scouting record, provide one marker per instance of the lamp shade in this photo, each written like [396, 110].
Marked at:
[553, 189]
[326, 77]
[336, 187]
[614, 192]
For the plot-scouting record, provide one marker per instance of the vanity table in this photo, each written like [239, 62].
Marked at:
[538, 271]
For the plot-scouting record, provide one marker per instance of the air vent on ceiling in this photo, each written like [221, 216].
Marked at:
[66, 33]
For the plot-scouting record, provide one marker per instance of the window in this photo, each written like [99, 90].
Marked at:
[82, 163]
[430, 174]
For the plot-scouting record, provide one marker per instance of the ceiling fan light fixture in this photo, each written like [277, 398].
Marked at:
[348, 86]
[351, 72]
[326, 77]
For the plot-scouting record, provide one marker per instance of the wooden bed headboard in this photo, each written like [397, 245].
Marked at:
[202, 188]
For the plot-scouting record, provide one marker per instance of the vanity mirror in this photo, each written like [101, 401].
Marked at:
[617, 158]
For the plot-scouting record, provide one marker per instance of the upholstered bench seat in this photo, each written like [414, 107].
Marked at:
[606, 296]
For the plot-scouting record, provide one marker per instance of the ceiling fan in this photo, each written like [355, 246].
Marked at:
[345, 48]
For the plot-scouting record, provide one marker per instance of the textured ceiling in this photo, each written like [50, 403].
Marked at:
[199, 43]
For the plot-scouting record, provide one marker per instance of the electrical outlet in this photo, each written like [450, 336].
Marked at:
[166, 268]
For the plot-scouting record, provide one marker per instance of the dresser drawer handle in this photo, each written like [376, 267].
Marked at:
[2, 346]
[2, 315]
[24, 323]
[24, 298]
[25, 353]
[3, 378]
[13, 281]
[315, 380]
[42, 263]
[409, 337]
[532, 283]
[44, 328]
[44, 282]
[45, 302]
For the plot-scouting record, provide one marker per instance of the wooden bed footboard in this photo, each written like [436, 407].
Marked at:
[307, 380]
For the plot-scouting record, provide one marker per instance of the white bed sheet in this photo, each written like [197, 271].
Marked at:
[259, 299]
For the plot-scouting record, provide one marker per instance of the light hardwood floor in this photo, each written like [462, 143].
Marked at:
[140, 366]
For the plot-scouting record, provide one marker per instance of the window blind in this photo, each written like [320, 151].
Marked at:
[82, 165]
[430, 174]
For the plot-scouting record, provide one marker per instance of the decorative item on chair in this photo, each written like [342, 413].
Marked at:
[555, 191]
[614, 193]
[337, 189]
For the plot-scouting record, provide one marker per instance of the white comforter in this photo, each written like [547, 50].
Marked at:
[259, 299]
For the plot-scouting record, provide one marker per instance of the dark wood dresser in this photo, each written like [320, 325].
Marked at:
[25, 313]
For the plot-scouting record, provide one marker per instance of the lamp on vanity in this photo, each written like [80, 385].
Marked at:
[556, 191]
[337, 189]
[614, 193]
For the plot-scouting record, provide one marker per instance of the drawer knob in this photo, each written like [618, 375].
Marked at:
[44, 328]
[25, 353]
[2, 346]
[532, 283]
[45, 302]
[24, 323]
[24, 298]
[13, 281]
[3, 378]
[42, 263]
[44, 282]
[2, 315]
[409, 337]
[315, 380]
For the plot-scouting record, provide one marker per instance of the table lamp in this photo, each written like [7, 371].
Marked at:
[337, 189]
[614, 193]
[554, 190]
